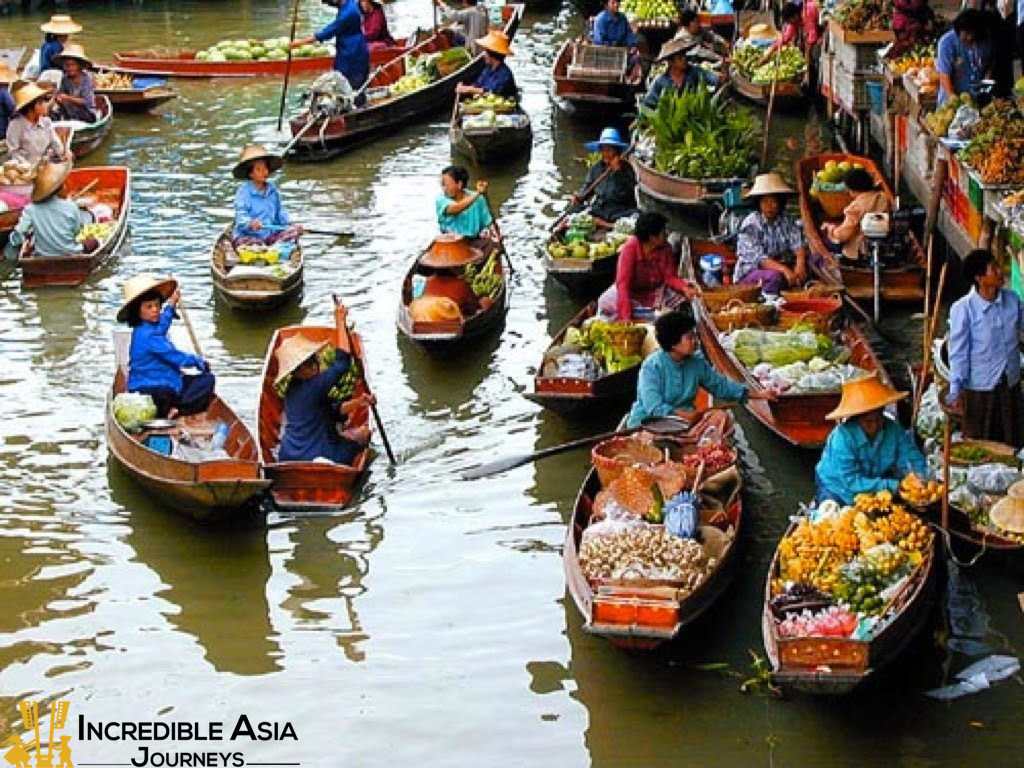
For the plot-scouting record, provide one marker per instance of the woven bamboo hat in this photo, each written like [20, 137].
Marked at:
[495, 42]
[769, 184]
[140, 285]
[674, 46]
[250, 154]
[74, 51]
[293, 352]
[7, 75]
[761, 31]
[450, 250]
[864, 395]
[49, 178]
[1008, 514]
[61, 25]
[25, 92]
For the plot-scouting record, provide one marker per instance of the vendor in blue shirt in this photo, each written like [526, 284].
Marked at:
[671, 377]
[351, 52]
[311, 416]
[260, 218]
[868, 451]
[683, 71]
[963, 56]
[57, 31]
[496, 77]
[7, 108]
[464, 213]
[985, 328]
[611, 27]
[154, 363]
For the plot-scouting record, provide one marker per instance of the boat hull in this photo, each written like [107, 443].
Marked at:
[591, 96]
[788, 95]
[140, 99]
[253, 292]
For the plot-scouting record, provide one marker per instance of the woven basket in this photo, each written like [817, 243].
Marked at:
[814, 290]
[610, 457]
[833, 202]
[716, 299]
[816, 312]
[739, 315]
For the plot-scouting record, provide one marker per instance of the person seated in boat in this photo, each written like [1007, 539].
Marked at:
[770, 248]
[963, 56]
[52, 221]
[800, 28]
[260, 218]
[471, 22]
[76, 96]
[846, 237]
[351, 53]
[691, 32]
[31, 136]
[57, 31]
[671, 377]
[496, 76]
[611, 27]
[867, 451]
[375, 25]
[614, 197]
[464, 213]
[646, 275]
[155, 365]
[311, 426]
[683, 72]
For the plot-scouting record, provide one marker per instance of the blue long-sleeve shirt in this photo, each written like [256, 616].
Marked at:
[153, 361]
[7, 110]
[498, 80]
[665, 386]
[852, 464]
[309, 430]
[351, 54]
[613, 29]
[47, 51]
[984, 342]
[251, 203]
[695, 77]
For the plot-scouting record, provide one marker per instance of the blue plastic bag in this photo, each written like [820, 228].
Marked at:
[681, 516]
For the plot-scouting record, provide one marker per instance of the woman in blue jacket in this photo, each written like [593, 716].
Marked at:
[351, 53]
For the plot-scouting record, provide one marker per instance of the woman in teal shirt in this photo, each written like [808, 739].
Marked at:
[868, 451]
[459, 211]
[670, 378]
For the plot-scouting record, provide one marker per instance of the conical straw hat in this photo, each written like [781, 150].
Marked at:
[1008, 514]
[141, 284]
[450, 250]
[293, 352]
[864, 395]
[24, 93]
[61, 24]
[251, 153]
[50, 177]
[495, 42]
[74, 51]
[769, 184]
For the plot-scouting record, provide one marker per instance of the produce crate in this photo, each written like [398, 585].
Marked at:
[599, 58]
[854, 54]
[877, 38]
[923, 102]
[847, 89]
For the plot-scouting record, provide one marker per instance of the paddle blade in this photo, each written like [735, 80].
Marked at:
[496, 467]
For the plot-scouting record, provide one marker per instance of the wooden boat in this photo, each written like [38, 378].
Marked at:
[904, 283]
[138, 99]
[647, 614]
[788, 94]
[451, 335]
[185, 63]
[8, 221]
[244, 287]
[113, 187]
[592, 91]
[208, 490]
[676, 191]
[797, 418]
[494, 144]
[319, 138]
[87, 137]
[836, 665]
[582, 278]
[573, 396]
[305, 485]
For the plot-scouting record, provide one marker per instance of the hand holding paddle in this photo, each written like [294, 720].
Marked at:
[583, 196]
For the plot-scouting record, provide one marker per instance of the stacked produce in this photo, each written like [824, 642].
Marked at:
[790, 66]
[113, 81]
[617, 550]
[920, 493]
[488, 102]
[694, 135]
[996, 150]
[650, 13]
[779, 348]
[420, 71]
[485, 279]
[602, 341]
[582, 240]
[938, 122]
[100, 230]
[864, 15]
[921, 56]
[271, 49]
[16, 173]
[131, 409]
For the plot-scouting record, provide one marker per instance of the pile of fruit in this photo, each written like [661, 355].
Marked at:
[410, 83]
[642, 552]
[271, 49]
[484, 280]
[790, 67]
[864, 15]
[695, 135]
[833, 174]
[488, 102]
[582, 249]
[996, 150]
[650, 10]
[938, 122]
[921, 56]
[17, 172]
[100, 230]
[113, 81]
[342, 389]
[715, 457]
[832, 621]
[920, 493]
[598, 337]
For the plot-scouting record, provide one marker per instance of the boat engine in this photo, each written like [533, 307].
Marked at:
[330, 95]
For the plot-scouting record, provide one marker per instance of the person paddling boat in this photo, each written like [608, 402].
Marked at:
[260, 217]
[496, 77]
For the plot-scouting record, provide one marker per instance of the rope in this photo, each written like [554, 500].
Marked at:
[947, 543]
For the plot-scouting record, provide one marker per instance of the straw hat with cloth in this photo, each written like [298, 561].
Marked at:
[250, 154]
[61, 24]
[293, 352]
[74, 51]
[137, 287]
[864, 395]
[495, 42]
[1008, 514]
[25, 93]
[50, 177]
[675, 46]
[450, 250]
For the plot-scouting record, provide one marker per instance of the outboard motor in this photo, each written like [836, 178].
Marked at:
[331, 94]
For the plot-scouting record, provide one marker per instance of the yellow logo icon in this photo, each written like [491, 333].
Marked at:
[18, 754]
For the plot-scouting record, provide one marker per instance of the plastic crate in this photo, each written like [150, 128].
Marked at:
[876, 96]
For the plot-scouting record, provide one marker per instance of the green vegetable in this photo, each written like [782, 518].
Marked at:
[133, 408]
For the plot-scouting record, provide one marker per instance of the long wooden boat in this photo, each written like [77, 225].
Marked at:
[113, 187]
[244, 287]
[185, 64]
[572, 396]
[8, 221]
[593, 93]
[798, 418]
[88, 137]
[138, 99]
[647, 614]
[904, 283]
[837, 665]
[676, 191]
[788, 94]
[208, 490]
[494, 144]
[319, 138]
[442, 336]
[306, 485]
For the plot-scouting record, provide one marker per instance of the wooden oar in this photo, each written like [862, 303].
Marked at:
[586, 193]
[885, 335]
[362, 375]
[312, 230]
[771, 106]
[313, 120]
[928, 339]
[188, 326]
[288, 65]
[87, 188]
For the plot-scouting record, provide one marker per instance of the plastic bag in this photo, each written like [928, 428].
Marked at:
[133, 408]
[681, 516]
[963, 123]
[992, 478]
[930, 417]
[977, 677]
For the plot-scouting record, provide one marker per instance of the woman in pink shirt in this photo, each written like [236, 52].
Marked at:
[800, 27]
[646, 268]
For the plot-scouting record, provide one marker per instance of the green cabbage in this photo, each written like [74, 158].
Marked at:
[131, 409]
